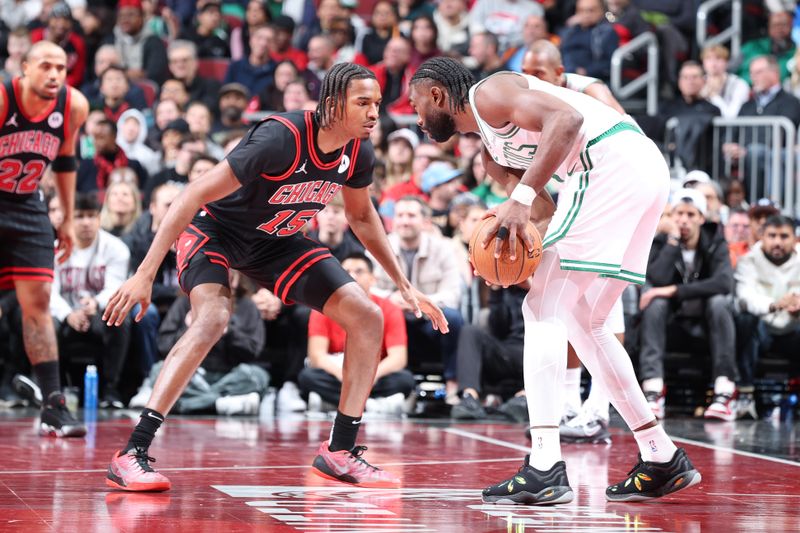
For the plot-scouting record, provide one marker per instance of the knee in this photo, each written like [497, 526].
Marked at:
[211, 321]
[36, 301]
[363, 312]
[719, 305]
[658, 309]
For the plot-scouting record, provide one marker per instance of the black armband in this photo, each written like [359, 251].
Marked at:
[65, 163]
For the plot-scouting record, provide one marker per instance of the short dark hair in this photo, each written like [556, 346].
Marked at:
[738, 211]
[334, 88]
[118, 68]
[361, 256]
[778, 221]
[693, 63]
[87, 201]
[108, 122]
[202, 157]
[451, 74]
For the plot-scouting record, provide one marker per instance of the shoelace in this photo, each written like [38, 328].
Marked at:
[143, 459]
[357, 452]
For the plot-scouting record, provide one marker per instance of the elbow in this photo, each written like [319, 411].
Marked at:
[572, 122]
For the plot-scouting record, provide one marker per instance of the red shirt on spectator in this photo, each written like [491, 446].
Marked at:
[298, 57]
[394, 327]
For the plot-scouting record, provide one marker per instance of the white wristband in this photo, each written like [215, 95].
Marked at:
[523, 194]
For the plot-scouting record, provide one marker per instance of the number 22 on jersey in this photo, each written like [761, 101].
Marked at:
[18, 178]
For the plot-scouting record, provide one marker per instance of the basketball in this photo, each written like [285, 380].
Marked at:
[503, 271]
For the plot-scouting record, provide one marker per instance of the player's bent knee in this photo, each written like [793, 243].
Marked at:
[212, 321]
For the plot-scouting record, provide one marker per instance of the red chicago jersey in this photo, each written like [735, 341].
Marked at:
[286, 179]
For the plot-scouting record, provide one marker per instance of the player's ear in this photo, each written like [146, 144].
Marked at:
[437, 95]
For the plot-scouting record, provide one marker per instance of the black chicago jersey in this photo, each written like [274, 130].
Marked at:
[29, 144]
[285, 177]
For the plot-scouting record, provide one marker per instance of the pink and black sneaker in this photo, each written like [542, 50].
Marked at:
[348, 466]
[132, 471]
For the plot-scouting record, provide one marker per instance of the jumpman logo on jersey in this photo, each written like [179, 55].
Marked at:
[12, 121]
[302, 168]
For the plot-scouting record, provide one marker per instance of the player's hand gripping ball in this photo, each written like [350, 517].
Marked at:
[503, 271]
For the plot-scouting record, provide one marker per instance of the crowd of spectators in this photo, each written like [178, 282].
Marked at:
[174, 85]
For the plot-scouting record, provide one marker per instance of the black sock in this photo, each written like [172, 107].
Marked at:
[145, 430]
[47, 377]
[344, 433]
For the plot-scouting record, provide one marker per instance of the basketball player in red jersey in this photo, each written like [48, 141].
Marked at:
[252, 207]
[39, 122]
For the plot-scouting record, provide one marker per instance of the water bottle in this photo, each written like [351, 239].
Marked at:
[90, 388]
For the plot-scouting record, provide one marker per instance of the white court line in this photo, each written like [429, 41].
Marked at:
[737, 452]
[490, 440]
[256, 467]
[477, 436]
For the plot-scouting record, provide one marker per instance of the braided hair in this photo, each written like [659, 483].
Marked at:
[333, 93]
[451, 74]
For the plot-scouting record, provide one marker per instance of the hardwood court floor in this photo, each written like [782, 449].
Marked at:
[242, 474]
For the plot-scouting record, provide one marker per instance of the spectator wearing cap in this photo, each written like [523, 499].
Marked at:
[281, 45]
[441, 183]
[256, 14]
[701, 181]
[207, 33]
[759, 212]
[687, 293]
[106, 56]
[182, 56]
[59, 31]
[768, 293]
[144, 55]
[233, 100]
[393, 75]
[586, 47]
[257, 70]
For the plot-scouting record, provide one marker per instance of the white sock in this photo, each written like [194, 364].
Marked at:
[653, 385]
[597, 402]
[572, 389]
[545, 448]
[722, 385]
[654, 444]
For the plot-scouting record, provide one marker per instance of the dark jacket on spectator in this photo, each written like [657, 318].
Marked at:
[154, 58]
[205, 90]
[782, 105]
[505, 314]
[241, 343]
[712, 273]
[134, 96]
[138, 241]
[590, 48]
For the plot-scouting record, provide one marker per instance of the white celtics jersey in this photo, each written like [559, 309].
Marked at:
[576, 82]
[514, 147]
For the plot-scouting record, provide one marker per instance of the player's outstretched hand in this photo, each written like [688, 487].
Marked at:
[136, 290]
[422, 304]
[511, 219]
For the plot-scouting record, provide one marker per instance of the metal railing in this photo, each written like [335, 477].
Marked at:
[732, 34]
[648, 80]
[768, 163]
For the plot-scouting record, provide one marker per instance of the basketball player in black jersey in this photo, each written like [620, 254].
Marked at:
[252, 207]
[39, 122]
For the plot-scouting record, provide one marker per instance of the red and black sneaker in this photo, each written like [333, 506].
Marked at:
[57, 421]
[132, 471]
[348, 466]
[648, 480]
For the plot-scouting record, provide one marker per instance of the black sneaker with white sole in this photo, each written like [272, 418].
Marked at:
[648, 480]
[532, 487]
[27, 389]
[57, 421]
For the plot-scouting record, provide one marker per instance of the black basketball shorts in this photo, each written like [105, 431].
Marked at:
[27, 251]
[296, 269]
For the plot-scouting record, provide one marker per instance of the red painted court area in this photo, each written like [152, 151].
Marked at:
[233, 475]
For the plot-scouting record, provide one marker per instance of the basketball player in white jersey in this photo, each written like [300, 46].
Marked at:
[587, 422]
[615, 187]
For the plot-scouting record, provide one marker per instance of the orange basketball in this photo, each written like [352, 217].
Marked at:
[503, 271]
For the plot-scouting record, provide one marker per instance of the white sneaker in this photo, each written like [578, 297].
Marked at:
[142, 396]
[389, 405]
[289, 400]
[242, 404]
